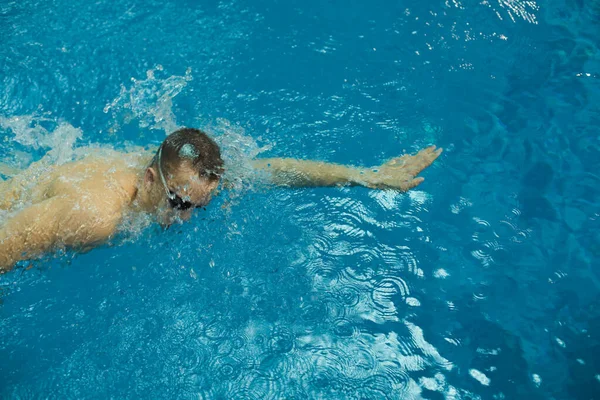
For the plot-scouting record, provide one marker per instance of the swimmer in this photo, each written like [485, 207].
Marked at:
[80, 204]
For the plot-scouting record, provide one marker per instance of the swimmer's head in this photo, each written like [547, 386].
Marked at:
[183, 174]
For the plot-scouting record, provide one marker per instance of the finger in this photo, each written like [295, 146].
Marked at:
[431, 149]
[436, 154]
[427, 159]
[422, 157]
[425, 151]
[412, 183]
[402, 159]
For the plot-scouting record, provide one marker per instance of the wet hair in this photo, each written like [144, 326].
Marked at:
[192, 148]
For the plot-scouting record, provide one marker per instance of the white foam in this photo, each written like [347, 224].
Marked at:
[479, 376]
[237, 150]
[441, 273]
[42, 132]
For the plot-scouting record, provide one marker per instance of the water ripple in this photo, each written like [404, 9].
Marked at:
[281, 341]
[227, 368]
[384, 293]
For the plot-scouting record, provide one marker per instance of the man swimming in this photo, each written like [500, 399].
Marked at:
[80, 204]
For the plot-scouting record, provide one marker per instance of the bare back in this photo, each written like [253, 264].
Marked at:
[77, 204]
[110, 176]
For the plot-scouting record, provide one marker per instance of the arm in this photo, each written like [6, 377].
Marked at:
[42, 226]
[398, 173]
[29, 233]
[18, 181]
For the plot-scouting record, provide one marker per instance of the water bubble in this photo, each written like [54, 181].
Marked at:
[282, 341]
[344, 328]
[228, 368]
[348, 295]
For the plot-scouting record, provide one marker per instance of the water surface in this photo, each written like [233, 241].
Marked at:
[482, 283]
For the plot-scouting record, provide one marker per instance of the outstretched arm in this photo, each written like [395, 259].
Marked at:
[399, 173]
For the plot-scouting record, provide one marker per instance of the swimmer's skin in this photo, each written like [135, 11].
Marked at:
[80, 204]
[398, 173]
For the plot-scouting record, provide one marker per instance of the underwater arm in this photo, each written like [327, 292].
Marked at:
[55, 221]
[398, 173]
[29, 233]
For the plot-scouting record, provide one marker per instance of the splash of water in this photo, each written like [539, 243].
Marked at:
[149, 101]
[41, 132]
[238, 149]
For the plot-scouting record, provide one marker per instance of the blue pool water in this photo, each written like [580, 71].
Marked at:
[483, 283]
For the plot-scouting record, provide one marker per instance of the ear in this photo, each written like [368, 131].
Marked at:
[150, 176]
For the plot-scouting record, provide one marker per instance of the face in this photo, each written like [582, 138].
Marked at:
[185, 191]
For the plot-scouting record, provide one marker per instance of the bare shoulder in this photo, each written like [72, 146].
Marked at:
[95, 198]
[43, 180]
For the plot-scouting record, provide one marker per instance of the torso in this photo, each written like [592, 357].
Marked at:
[77, 205]
[103, 180]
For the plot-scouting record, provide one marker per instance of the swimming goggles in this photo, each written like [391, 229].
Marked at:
[175, 201]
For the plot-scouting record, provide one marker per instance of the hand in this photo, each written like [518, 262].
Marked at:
[399, 173]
